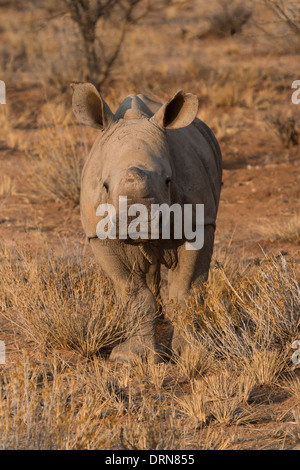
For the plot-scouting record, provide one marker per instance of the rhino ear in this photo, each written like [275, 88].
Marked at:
[178, 112]
[89, 107]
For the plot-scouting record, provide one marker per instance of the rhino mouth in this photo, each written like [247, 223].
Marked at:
[127, 234]
[144, 235]
[137, 220]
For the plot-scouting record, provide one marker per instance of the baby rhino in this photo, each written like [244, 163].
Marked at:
[149, 155]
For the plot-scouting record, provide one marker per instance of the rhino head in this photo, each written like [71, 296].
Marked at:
[131, 156]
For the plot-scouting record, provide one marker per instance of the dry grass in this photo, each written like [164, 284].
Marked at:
[288, 231]
[61, 152]
[59, 303]
[195, 360]
[247, 319]
[43, 408]
[195, 406]
[292, 385]
[158, 428]
[7, 186]
[227, 398]
[8, 134]
[266, 366]
[286, 126]
[65, 304]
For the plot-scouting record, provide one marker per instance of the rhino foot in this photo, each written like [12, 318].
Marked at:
[179, 343]
[136, 349]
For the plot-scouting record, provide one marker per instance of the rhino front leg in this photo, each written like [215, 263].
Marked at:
[131, 288]
[142, 342]
[192, 269]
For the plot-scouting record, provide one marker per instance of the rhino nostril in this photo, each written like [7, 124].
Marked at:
[105, 185]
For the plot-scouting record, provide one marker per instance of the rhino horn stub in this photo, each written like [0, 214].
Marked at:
[138, 110]
[134, 114]
[178, 112]
[89, 107]
[133, 108]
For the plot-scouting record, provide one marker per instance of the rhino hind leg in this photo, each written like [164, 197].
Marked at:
[192, 269]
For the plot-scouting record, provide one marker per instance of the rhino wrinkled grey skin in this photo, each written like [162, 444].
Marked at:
[151, 153]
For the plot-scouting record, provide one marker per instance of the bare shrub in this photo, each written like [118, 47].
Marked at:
[230, 18]
[288, 12]
[56, 64]
[116, 17]
[284, 26]
[286, 126]
[86, 14]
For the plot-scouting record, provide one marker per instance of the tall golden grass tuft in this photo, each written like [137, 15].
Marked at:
[288, 231]
[61, 152]
[60, 302]
[247, 319]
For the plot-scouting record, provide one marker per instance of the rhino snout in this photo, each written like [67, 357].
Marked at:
[135, 183]
[135, 173]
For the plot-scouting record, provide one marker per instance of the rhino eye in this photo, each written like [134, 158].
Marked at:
[105, 185]
[168, 181]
